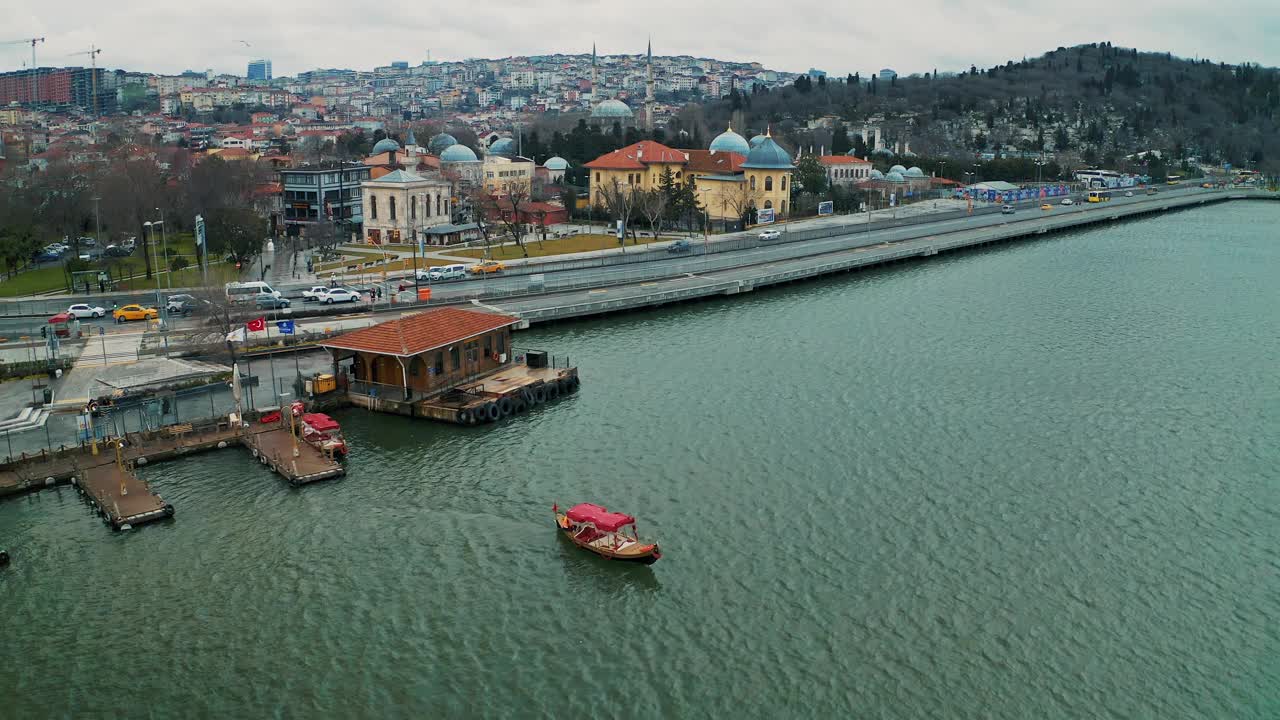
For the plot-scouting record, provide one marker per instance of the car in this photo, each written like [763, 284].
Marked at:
[769, 235]
[1128, 193]
[679, 246]
[1006, 210]
[81, 311]
[314, 293]
[267, 301]
[134, 312]
[48, 256]
[1068, 201]
[440, 273]
[488, 267]
[1046, 206]
[117, 251]
[1153, 190]
[1207, 186]
[182, 304]
[333, 295]
[88, 242]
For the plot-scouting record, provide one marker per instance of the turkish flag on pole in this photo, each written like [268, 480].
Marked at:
[257, 325]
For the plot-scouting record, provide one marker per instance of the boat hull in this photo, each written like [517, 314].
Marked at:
[641, 553]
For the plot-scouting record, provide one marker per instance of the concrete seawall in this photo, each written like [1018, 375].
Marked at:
[744, 279]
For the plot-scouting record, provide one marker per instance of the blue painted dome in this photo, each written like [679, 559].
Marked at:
[556, 162]
[385, 145]
[458, 153]
[895, 177]
[876, 175]
[438, 143]
[914, 171]
[730, 141]
[611, 109]
[757, 140]
[503, 146]
[768, 155]
[898, 169]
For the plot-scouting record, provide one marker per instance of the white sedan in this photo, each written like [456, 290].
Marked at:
[1068, 201]
[81, 311]
[334, 295]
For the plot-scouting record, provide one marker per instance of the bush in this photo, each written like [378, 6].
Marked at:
[178, 263]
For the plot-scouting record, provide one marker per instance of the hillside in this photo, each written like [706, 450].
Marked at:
[1090, 104]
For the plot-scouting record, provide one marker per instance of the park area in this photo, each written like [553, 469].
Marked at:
[543, 248]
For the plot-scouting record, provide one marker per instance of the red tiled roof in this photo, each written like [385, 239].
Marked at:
[714, 162]
[842, 160]
[418, 333]
[635, 157]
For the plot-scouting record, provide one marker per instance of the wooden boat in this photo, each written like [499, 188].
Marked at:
[323, 432]
[608, 534]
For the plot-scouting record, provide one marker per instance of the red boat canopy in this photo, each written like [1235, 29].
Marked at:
[603, 519]
[320, 421]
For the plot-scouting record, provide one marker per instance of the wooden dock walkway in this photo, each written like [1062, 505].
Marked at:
[108, 481]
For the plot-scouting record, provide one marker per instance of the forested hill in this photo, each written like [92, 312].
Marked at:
[1091, 103]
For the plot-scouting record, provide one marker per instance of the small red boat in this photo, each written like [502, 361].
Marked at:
[324, 433]
[608, 534]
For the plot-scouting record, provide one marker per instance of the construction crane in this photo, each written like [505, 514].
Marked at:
[34, 74]
[92, 52]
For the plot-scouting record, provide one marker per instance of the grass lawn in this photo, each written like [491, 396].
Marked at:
[560, 246]
[53, 277]
[34, 281]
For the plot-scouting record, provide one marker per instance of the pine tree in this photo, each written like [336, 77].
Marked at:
[840, 140]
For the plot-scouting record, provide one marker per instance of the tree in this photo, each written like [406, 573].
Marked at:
[840, 140]
[653, 205]
[236, 232]
[809, 176]
[619, 202]
[511, 195]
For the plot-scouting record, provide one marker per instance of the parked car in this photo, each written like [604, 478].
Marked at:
[488, 267]
[314, 293]
[1006, 210]
[679, 246]
[117, 251]
[82, 311]
[769, 235]
[1046, 206]
[130, 243]
[1068, 201]
[337, 295]
[267, 301]
[48, 256]
[88, 242]
[134, 312]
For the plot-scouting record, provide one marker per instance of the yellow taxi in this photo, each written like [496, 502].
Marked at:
[1046, 206]
[134, 312]
[487, 267]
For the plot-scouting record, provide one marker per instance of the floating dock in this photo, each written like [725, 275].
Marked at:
[510, 390]
[108, 481]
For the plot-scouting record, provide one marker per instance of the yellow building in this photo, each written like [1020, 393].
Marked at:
[501, 172]
[730, 179]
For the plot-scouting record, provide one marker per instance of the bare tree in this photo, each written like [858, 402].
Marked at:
[480, 204]
[653, 205]
[739, 198]
[512, 194]
[620, 202]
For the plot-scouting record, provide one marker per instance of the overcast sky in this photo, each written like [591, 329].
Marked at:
[840, 37]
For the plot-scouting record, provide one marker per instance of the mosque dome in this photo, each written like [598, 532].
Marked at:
[914, 171]
[458, 153]
[611, 109]
[757, 140]
[439, 142]
[556, 162]
[730, 141]
[385, 145]
[768, 155]
[898, 169]
[876, 175]
[894, 177]
[503, 146]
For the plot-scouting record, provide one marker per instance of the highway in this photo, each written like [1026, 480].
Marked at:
[644, 268]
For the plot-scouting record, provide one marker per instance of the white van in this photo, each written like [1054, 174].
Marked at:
[248, 292]
[447, 272]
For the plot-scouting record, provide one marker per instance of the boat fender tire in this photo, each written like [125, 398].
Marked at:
[553, 391]
[539, 395]
[492, 412]
[526, 397]
[255, 452]
[464, 417]
[575, 382]
[506, 407]
[168, 510]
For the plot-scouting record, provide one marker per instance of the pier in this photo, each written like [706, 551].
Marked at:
[109, 483]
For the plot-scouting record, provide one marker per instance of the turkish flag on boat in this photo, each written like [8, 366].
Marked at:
[257, 325]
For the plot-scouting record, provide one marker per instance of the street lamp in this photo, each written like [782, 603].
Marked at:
[149, 227]
[164, 239]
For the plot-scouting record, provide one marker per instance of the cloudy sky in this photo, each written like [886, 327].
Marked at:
[840, 37]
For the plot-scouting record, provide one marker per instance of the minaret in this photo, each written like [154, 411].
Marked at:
[648, 93]
[595, 76]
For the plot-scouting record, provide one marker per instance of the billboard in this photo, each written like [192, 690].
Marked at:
[764, 216]
[826, 207]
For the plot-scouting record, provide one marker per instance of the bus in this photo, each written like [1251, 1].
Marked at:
[1173, 179]
[1099, 196]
